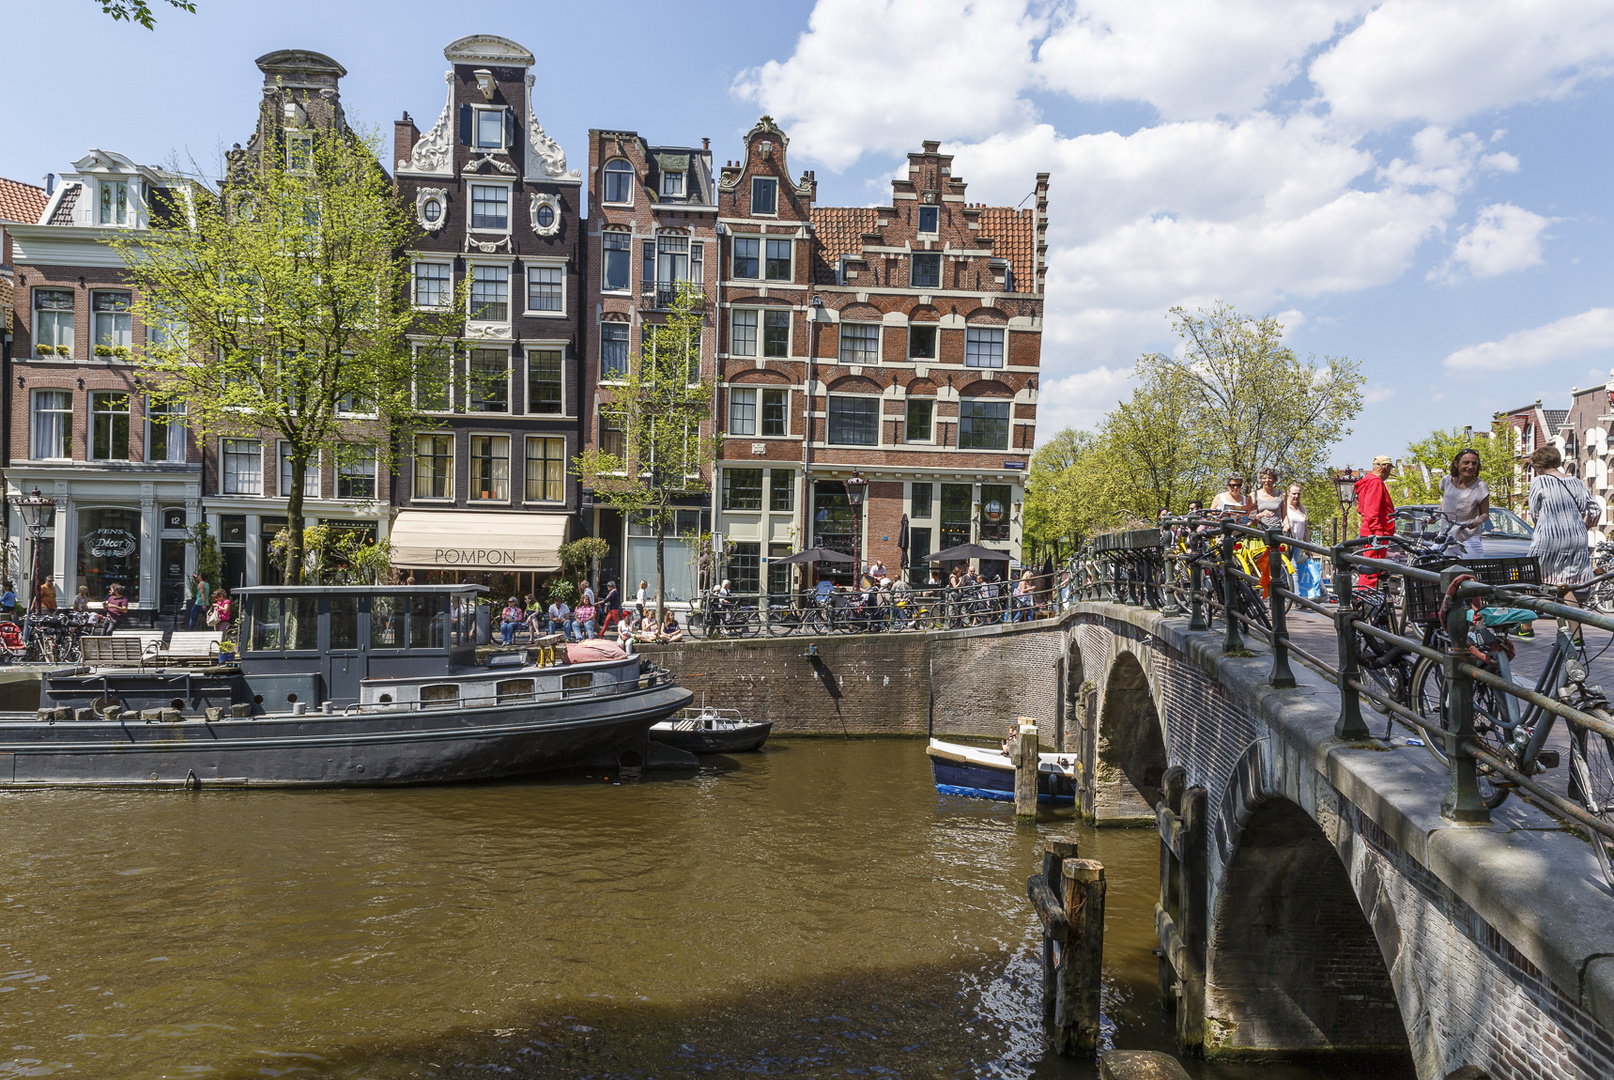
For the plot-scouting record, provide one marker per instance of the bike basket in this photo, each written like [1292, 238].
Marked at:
[1423, 597]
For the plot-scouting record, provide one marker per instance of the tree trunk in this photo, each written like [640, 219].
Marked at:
[661, 578]
[294, 516]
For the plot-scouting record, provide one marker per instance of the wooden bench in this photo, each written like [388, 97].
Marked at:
[120, 650]
[542, 648]
[185, 646]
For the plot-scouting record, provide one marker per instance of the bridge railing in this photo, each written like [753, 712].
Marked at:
[1227, 568]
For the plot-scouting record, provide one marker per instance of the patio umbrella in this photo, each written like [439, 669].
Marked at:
[814, 554]
[964, 552]
[902, 543]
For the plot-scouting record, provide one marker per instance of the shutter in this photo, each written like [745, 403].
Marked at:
[465, 124]
[510, 129]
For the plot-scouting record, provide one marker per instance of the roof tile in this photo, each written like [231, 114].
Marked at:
[21, 203]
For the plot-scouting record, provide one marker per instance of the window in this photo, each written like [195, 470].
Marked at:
[488, 379]
[241, 461]
[114, 202]
[299, 152]
[672, 183]
[490, 293]
[921, 343]
[434, 376]
[490, 129]
[983, 425]
[53, 321]
[747, 251]
[618, 181]
[113, 325]
[672, 259]
[776, 333]
[490, 468]
[165, 430]
[164, 332]
[546, 288]
[854, 421]
[924, 271]
[434, 466]
[614, 272]
[613, 439]
[920, 500]
[355, 475]
[742, 411]
[490, 206]
[994, 512]
[546, 470]
[745, 568]
[764, 195]
[774, 404]
[310, 474]
[742, 489]
[955, 515]
[514, 690]
[779, 571]
[860, 343]
[983, 347]
[918, 428]
[777, 267]
[781, 489]
[742, 332]
[544, 382]
[929, 217]
[53, 424]
[109, 425]
[434, 284]
[613, 350]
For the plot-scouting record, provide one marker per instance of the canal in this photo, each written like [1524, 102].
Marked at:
[813, 910]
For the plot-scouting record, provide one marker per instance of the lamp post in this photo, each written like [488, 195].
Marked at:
[35, 520]
[856, 486]
[815, 318]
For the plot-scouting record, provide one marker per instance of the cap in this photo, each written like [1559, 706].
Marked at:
[1383, 459]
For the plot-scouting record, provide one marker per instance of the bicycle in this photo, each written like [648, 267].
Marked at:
[1602, 595]
[724, 620]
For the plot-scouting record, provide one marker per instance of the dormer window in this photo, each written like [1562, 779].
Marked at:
[929, 218]
[299, 153]
[490, 129]
[114, 202]
[672, 183]
[618, 181]
[764, 195]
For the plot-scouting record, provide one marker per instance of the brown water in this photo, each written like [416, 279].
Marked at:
[815, 910]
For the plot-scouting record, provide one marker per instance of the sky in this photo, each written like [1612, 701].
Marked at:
[1423, 187]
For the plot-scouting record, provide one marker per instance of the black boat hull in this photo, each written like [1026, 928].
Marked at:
[737, 740]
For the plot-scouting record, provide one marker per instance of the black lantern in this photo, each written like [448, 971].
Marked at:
[1345, 483]
[37, 522]
[856, 487]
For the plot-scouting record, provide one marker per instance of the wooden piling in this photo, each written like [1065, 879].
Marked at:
[1081, 967]
[1025, 771]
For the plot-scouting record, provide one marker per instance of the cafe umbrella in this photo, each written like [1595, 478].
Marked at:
[965, 552]
[814, 555]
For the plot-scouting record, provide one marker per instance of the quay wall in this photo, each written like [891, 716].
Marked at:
[881, 684]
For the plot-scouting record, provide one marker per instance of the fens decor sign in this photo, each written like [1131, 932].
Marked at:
[110, 544]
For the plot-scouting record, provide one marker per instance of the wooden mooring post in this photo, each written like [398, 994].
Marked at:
[1026, 759]
[1068, 894]
[1180, 916]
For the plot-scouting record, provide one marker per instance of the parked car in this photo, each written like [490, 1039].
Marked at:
[1506, 534]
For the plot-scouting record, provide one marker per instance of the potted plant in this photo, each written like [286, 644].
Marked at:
[103, 350]
[226, 652]
[45, 350]
[63, 350]
[121, 351]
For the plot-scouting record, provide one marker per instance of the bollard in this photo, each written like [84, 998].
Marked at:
[1350, 726]
[1231, 641]
[1462, 801]
[1081, 960]
[1276, 575]
[1025, 771]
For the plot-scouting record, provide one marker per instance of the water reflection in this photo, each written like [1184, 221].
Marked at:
[812, 910]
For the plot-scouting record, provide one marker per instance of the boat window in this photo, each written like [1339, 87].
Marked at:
[570, 684]
[513, 690]
[442, 693]
[386, 623]
[462, 619]
[302, 622]
[425, 622]
[344, 622]
[263, 635]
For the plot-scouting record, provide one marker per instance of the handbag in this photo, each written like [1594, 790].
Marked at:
[1309, 576]
[213, 617]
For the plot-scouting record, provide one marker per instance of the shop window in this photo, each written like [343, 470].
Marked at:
[778, 572]
[434, 466]
[745, 568]
[546, 470]
[241, 462]
[955, 515]
[918, 552]
[109, 550]
[832, 528]
[742, 489]
[919, 500]
[994, 512]
[490, 468]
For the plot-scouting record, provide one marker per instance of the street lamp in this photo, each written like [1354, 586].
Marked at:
[1345, 484]
[36, 521]
[856, 486]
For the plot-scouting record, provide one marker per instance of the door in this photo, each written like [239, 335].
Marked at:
[345, 653]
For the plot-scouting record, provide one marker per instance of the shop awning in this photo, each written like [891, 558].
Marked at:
[470, 540]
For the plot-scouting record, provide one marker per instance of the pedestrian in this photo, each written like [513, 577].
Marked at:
[218, 616]
[200, 598]
[1268, 499]
[643, 597]
[8, 603]
[1562, 509]
[1024, 598]
[585, 593]
[117, 605]
[613, 606]
[1297, 525]
[1465, 503]
[45, 595]
[511, 620]
[1373, 502]
[81, 602]
[1233, 500]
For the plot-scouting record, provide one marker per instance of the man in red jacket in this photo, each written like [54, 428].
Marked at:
[1373, 502]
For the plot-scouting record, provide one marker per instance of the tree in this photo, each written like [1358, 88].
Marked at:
[657, 453]
[1152, 449]
[291, 288]
[139, 11]
[1428, 459]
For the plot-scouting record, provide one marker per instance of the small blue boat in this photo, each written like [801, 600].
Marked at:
[984, 772]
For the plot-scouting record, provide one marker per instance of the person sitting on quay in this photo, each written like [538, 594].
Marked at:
[560, 618]
[511, 620]
[585, 617]
[81, 602]
[625, 634]
[670, 630]
[647, 629]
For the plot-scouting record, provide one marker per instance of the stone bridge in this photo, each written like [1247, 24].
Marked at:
[1327, 905]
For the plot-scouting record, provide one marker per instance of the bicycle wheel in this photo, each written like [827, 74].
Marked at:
[1602, 598]
[1591, 783]
[749, 624]
[697, 624]
[1429, 702]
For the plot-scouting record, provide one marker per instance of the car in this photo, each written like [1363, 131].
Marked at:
[1505, 535]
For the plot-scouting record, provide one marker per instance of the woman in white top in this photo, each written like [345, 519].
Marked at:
[1233, 500]
[1465, 502]
[1297, 525]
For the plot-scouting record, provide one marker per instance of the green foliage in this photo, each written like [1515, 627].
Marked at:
[209, 563]
[562, 591]
[139, 11]
[578, 557]
[292, 291]
[333, 555]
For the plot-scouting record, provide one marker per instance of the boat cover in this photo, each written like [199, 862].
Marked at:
[581, 652]
[469, 540]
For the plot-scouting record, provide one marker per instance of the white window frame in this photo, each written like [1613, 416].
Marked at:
[630, 173]
[764, 180]
[762, 333]
[131, 195]
[627, 352]
[927, 256]
[1002, 344]
[414, 285]
[532, 264]
[224, 457]
[126, 314]
[526, 474]
[478, 111]
[344, 470]
[509, 205]
[471, 497]
[283, 472]
[840, 343]
[414, 467]
[666, 184]
[304, 139]
[762, 411]
[528, 348]
[755, 327]
[736, 393]
[509, 377]
[471, 267]
[55, 313]
[66, 443]
[935, 341]
[879, 418]
[128, 413]
[628, 251]
[930, 436]
[414, 387]
[178, 435]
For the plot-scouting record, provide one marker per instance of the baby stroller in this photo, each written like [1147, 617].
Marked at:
[12, 647]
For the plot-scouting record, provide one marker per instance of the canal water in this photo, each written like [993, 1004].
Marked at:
[813, 910]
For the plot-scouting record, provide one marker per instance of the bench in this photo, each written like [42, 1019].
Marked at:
[188, 645]
[119, 650]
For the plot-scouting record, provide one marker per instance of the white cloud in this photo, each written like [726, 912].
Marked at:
[1503, 237]
[1376, 393]
[1570, 336]
[1080, 400]
[1444, 60]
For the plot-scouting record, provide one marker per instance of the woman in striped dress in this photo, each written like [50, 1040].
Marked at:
[1562, 509]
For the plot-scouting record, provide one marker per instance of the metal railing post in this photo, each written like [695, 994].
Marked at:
[1350, 726]
[1231, 641]
[1281, 675]
[1196, 592]
[1172, 608]
[1462, 801]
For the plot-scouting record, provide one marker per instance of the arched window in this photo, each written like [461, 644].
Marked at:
[618, 181]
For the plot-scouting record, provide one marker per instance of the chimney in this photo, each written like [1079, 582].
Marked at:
[50, 184]
[706, 144]
[404, 137]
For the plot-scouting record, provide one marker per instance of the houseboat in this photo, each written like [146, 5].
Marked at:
[339, 686]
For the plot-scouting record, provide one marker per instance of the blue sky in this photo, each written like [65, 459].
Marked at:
[1423, 186]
